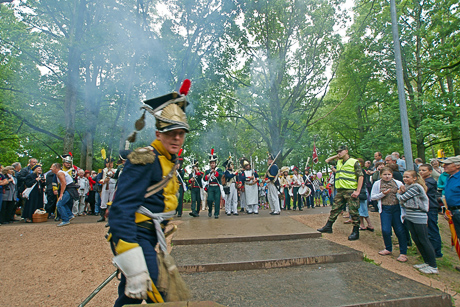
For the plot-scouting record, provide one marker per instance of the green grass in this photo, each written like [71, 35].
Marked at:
[369, 260]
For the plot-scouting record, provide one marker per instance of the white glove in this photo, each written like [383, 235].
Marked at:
[132, 264]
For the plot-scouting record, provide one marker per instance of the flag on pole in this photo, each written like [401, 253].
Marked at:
[315, 154]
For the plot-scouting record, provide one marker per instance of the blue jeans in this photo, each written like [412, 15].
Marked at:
[64, 207]
[433, 231]
[363, 208]
[97, 206]
[391, 217]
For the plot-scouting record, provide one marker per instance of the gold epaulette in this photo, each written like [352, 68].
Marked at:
[143, 155]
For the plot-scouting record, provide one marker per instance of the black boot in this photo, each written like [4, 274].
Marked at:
[355, 234]
[327, 228]
[102, 219]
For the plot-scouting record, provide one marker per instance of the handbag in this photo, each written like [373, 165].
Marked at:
[26, 193]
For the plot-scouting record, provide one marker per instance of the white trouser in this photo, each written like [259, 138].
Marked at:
[252, 209]
[204, 197]
[231, 200]
[107, 195]
[272, 196]
[75, 206]
[81, 205]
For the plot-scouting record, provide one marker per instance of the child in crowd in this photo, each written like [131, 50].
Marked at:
[324, 195]
[426, 170]
[416, 204]
[385, 192]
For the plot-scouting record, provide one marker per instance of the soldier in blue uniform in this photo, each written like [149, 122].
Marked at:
[213, 177]
[182, 186]
[146, 198]
[271, 177]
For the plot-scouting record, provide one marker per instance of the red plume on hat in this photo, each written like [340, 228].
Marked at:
[185, 87]
[212, 151]
[180, 152]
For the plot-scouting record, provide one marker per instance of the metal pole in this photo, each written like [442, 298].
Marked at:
[401, 93]
[99, 288]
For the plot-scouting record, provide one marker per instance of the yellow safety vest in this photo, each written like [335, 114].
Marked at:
[345, 177]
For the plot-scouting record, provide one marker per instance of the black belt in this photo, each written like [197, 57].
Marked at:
[454, 208]
[147, 225]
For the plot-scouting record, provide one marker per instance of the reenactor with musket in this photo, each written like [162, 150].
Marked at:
[271, 177]
[231, 194]
[182, 186]
[249, 178]
[212, 178]
[195, 181]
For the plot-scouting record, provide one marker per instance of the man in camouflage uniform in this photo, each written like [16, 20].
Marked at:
[348, 182]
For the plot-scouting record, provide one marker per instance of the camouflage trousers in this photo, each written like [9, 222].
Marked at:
[342, 199]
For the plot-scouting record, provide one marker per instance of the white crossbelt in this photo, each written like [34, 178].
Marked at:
[157, 218]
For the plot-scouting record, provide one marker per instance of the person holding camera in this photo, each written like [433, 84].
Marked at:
[36, 181]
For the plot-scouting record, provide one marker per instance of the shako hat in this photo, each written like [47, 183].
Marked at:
[108, 160]
[270, 157]
[227, 162]
[195, 163]
[244, 161]
[168, 110]
[212, 156]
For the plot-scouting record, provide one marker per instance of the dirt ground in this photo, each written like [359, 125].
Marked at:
[43, 265]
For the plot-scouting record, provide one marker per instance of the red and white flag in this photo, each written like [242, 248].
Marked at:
[315, 154]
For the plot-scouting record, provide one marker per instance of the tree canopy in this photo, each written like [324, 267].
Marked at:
[267, 76]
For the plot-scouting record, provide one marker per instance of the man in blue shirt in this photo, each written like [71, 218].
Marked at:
[401, 163]
[452, 190]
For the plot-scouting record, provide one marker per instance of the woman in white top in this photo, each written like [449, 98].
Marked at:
[385, 191]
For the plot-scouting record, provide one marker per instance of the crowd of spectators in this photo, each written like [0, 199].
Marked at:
[409, 203]
[27, 189]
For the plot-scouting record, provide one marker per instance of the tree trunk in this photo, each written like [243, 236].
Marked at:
[89, 150]
[73, 64]
[83, 153]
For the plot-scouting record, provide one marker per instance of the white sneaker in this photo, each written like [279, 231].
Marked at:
[420, 266]
[429, 270]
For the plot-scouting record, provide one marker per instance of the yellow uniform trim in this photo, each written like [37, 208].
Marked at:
[141, 218]
[169, 192]
[124, 246]
[155, 295]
